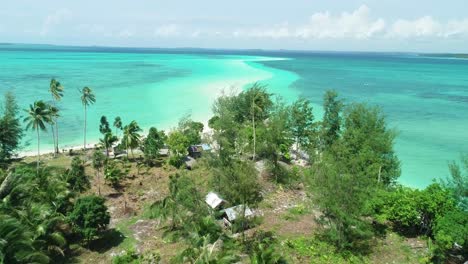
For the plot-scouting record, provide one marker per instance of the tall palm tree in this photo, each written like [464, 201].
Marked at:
[107, 141]
[56, 90]
[54, 115]
[38, 117]
[131, 136]
[117, 125]
[87, 98]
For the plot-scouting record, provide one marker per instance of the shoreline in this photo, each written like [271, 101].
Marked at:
[212, 89]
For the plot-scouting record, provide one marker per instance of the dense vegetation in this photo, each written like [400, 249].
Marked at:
[345, 163]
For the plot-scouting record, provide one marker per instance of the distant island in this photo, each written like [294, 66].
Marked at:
[447, 55]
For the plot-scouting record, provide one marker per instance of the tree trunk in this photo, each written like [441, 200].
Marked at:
[6, 185]
[254, 136]
[126, 146]
[38, 151]
[99, 182]
[53, 138]
[56, 137]
[380, 172]
[84, 141]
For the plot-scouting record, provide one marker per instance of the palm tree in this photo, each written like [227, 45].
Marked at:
[56, 90]
[16, 244]
[108, 141]
[38, 116]
[117, 125]
[87, 98]
[54, 115]
[131, 136]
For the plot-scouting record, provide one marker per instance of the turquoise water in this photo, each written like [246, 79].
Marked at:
[425, 99]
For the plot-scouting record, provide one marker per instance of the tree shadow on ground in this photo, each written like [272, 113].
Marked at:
[109, 239]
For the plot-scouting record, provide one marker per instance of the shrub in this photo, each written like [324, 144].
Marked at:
[89, 216]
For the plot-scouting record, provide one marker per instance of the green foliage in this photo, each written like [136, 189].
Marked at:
[237, 183]
[87, 96]
[301, 124]
[254, 103]
[319, 251]
[10, 127]
[178, 144]
[36, 203]
[104, 127]
[367, 144]
[262, 249]
[413, 211]
[451, 234]
[98, 160]
[191, 129]
[118, 122]
[278, 140]
[16, 243]
[131, 257]
[341, 196]
[152, 144]
[458, 182]
[77, 177]
[114, 173]
[131, 136]
[107, 141]
[89, 216]
[331, 124]
[183, 205]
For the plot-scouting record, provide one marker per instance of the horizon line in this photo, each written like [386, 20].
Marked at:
[232, 49]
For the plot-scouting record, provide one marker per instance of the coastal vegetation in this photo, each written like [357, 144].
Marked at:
[305, 191]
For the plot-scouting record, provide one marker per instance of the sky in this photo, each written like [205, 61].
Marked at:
[341, 25]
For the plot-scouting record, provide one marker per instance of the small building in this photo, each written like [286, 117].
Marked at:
[213, 200]
[164, 152]
[233, 213]
[195, 151]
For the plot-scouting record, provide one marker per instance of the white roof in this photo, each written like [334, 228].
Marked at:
[233, 212]
[213, 200]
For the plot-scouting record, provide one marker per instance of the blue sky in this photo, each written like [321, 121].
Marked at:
[373, 25]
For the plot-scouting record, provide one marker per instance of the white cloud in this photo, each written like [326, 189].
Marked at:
[165, 31]
[357, 25]
[53, 20]
[427, 27]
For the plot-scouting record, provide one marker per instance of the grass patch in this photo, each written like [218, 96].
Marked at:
[295, 212]
[123, 226]
[312, 250]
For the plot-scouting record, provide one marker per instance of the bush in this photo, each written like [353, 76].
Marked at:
[77, 177]
[113, 173]
[89, 216]
[450, 230]
[412, 211]
[131, 257]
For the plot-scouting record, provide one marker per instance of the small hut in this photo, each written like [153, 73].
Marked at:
[214, 201]
[195, 151]
[233, 213]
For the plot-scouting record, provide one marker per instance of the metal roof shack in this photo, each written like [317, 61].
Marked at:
[213, 200]
[235, 212]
